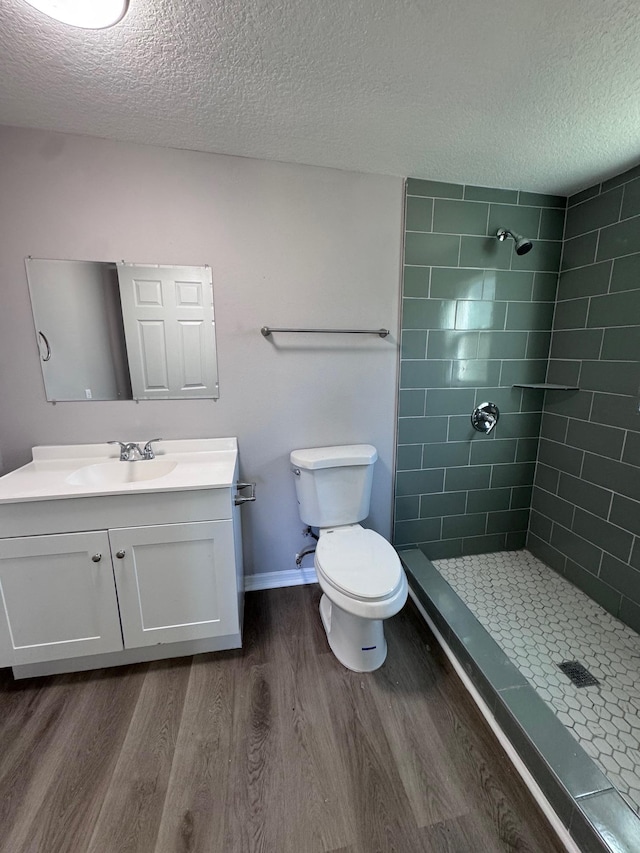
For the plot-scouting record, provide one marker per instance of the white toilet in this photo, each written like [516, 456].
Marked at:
[358, 570]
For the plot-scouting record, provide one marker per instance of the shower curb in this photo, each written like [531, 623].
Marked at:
[586, 803]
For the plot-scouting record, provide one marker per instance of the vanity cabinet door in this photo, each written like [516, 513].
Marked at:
[175, 582]
[59, 596]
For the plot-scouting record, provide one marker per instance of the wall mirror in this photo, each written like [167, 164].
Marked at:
[121, 331]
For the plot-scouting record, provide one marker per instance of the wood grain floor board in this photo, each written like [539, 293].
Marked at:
[29, 711]
[464, 834]
[193, 815]
[130, 816]
[275, 748]
[496, 794]
[20, 702]
[301, 635]
[62, 822]
[291, 755]
[403, 690]
[262, 623]
[382, 811]
[255, 811]
[25, 750]
[403, 694]
[317, 784]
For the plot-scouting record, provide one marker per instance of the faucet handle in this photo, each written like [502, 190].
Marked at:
[147, 452]
[123, 449]
[129, 451]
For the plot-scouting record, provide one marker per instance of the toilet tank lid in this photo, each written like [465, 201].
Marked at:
[334, 457]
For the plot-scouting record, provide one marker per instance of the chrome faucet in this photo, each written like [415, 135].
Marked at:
[130, 451]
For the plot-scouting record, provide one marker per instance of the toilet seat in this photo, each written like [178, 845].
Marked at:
[359, 563]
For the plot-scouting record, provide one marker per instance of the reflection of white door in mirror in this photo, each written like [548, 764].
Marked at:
[111, 331]
[168, 312]
[79, 326]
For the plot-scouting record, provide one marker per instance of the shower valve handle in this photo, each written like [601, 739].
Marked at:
[485, 417]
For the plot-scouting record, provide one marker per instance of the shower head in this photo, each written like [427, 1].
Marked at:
[523, 244]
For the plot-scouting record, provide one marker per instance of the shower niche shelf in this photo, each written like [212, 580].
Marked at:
[545, 386]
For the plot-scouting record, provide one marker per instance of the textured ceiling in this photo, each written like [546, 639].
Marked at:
[542, 95]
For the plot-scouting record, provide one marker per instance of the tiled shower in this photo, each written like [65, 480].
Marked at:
[585, 521]
[560, 470]
[557, 476]
[476, 320]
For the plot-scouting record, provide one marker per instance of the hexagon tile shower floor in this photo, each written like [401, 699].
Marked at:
[540, 620]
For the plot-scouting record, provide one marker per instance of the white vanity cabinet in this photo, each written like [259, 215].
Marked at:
[174, 582]
[59, 597]
[99, 579]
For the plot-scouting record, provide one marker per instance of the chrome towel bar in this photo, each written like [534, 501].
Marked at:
[267, 330]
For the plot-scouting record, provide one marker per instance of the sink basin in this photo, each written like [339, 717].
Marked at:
[115, 473]
[78, 470]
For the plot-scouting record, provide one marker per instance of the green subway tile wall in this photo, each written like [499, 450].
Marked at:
[585, 517]
[476, 319]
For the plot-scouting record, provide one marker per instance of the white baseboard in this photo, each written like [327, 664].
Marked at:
[273, 580]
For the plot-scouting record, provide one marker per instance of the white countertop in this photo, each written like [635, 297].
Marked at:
[208, 463]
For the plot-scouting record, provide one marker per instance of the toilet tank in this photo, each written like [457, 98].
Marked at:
[333, 484]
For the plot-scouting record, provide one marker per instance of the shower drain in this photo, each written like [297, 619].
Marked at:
[579, 674]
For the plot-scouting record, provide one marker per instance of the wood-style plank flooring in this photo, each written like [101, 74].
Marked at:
[274, 748]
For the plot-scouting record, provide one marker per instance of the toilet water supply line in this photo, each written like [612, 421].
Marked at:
[305, 551]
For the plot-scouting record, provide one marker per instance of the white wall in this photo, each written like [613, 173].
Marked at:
[288, 245]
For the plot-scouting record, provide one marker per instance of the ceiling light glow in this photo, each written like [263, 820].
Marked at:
[88, 14]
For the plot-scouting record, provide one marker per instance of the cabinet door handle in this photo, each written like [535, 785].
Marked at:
[47, 357]
[96, 558]
[120, 555]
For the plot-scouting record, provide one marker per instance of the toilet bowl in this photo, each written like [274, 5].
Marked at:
[359, 572]
[362, 583]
